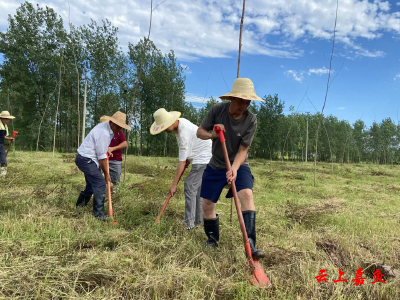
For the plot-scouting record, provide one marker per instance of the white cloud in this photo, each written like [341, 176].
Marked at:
[398, 3]
[298, 76]
[341, 108]
[186, 69]
[319, 71]
[206, 28]
[191, 97]
[396, 77]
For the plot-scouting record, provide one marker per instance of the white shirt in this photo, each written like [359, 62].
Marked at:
[95, 145]
[190, 146]
[3, 127]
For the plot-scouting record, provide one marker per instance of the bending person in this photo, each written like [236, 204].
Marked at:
[91, 160]
[118, 142]
[240, 126]
[5, 118]
[191, 148]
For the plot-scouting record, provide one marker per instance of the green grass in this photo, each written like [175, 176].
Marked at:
[50, 250]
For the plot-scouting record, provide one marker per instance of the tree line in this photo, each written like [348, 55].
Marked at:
[42, 83]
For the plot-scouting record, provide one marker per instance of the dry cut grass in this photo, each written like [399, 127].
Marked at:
[50, 250]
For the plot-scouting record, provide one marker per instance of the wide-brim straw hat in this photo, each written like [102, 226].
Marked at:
[6, 115]
[103, 119]
[118, 118]
[242, 88]
[163, 119]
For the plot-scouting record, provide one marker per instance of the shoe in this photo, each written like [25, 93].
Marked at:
[114, 189]
[3, 171]
[83, 200]
[211, 228]
[189, 227]
[98, 206]
[249, 217]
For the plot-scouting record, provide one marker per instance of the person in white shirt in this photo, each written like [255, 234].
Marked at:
[5, 118]
[91, 160]
[191, 148]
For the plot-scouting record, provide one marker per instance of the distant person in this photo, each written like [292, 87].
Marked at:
[91, 160]
[191, 148]
[5, 118]
[118, 143]
[240, 126]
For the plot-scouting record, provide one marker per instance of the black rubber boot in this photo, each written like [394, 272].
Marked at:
[211, 228]
[83, 200]
[249, 217]
[98, 206]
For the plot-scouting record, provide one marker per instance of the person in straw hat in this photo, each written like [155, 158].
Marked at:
[191, 148]
[91, 160]
[5, 118]
[118, 142]
[240, 126]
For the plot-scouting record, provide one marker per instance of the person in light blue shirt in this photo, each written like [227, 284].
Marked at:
[91, 160]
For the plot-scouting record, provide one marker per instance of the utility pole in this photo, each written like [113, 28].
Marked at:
[84, 110]
[307, 139]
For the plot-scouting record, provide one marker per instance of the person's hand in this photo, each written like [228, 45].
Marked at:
[11, 139]
[110, 150]
[231, 176]
[215, 134]
[107, 177]
[172, 190]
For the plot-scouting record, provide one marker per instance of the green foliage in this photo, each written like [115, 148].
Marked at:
[29, 78]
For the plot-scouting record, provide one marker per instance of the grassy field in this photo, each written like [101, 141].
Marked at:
[50, 250]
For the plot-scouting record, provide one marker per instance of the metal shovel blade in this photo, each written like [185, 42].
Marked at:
[259, 278]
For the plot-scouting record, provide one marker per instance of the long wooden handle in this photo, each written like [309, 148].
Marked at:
[110, 210]
[9, 145]
[169, 196]
[235, 196]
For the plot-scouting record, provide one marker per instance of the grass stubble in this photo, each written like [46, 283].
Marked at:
[50, 250]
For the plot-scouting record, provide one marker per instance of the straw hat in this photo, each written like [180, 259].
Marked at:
[118, 118]
[6, 115]
[242, 88]
[163, 120]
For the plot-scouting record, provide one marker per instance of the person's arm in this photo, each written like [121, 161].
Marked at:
[238, 161]
[179, 170]
[205, 135]
[207, 125]
[102, 144]
[9, 138]
[120, 146]
[244, 147]
[103, 166]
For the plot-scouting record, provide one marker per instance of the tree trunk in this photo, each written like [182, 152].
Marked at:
[58, 103]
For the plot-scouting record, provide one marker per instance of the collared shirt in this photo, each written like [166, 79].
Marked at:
[190, 146]
[95, 145]
[3, 127]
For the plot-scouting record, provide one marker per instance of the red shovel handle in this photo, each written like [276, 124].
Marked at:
[9, 145]
[169, 196]
[110, 209]
[235, 197]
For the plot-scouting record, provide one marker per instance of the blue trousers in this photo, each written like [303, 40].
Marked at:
[95, 182]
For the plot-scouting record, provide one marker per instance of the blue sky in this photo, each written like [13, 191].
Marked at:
[286, 47]
[363, 88]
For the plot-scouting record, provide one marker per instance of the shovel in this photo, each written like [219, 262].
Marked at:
[169, 196]
[9, 146]
[258, 278]
[110, 210]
